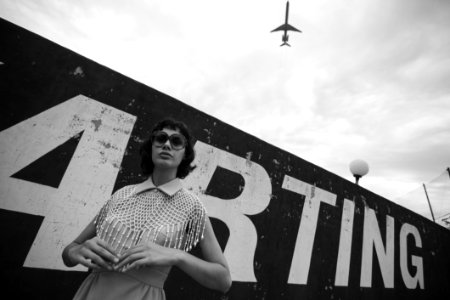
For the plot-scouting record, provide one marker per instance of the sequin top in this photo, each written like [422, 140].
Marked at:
[168, 215]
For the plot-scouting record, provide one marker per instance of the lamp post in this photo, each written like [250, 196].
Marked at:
[359, 168]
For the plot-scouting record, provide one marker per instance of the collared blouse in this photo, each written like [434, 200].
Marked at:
[168, 215]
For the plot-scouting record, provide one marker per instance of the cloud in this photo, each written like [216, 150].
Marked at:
[385, 72]
[364, 79]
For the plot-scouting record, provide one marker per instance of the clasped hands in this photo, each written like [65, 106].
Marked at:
[97, 254]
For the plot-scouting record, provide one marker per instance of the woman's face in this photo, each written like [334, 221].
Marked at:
[165, 156]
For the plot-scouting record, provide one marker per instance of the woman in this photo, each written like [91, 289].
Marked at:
[145, 229]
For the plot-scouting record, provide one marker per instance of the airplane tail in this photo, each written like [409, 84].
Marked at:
[285, 43]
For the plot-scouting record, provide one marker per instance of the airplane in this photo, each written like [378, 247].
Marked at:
[285, 27]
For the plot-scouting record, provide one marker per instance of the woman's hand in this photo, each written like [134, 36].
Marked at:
[148, 254]
[93, 253]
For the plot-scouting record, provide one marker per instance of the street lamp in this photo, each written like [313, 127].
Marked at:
[359, 168]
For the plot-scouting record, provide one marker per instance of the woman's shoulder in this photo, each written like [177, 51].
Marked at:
[124, 191]
[188, 194]
[190, 197]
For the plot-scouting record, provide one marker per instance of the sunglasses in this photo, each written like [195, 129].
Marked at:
[177, 141]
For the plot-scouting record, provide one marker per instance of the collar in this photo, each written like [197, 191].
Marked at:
[168, 188]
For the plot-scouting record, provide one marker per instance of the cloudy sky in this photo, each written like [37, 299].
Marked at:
[366, 79]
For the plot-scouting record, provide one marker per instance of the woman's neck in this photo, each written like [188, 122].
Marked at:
[161, 177]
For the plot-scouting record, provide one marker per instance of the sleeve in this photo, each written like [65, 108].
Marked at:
[103, 212]
[196, 224]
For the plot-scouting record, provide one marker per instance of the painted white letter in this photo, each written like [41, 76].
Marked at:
[255, 197]
[410, 281]
[345, 244]
[308, 224]
[371, 238]
[87, 182]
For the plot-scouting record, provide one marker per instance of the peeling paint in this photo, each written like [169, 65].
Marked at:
[137, 139]
[248, 157]
[363, 199]
[104, 144]
[131, 103]
[97, 124]
[121, 130]
[78, 72]
[258, 265]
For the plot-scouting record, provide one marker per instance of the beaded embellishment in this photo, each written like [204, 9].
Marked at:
[128, 219]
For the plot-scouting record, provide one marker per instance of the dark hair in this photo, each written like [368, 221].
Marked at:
[185, 167]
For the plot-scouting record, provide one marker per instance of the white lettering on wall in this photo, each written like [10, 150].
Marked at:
[308, 224]
[87, 182]
[411, 281]
[345, 244]
[255, 197]
[372, 238]
[93, 169]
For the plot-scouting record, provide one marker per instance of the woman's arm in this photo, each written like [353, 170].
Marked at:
[90, 251]
[212, 272]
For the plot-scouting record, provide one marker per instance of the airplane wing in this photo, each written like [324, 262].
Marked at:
[286, 27]
[292, 28]
[281, 28]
